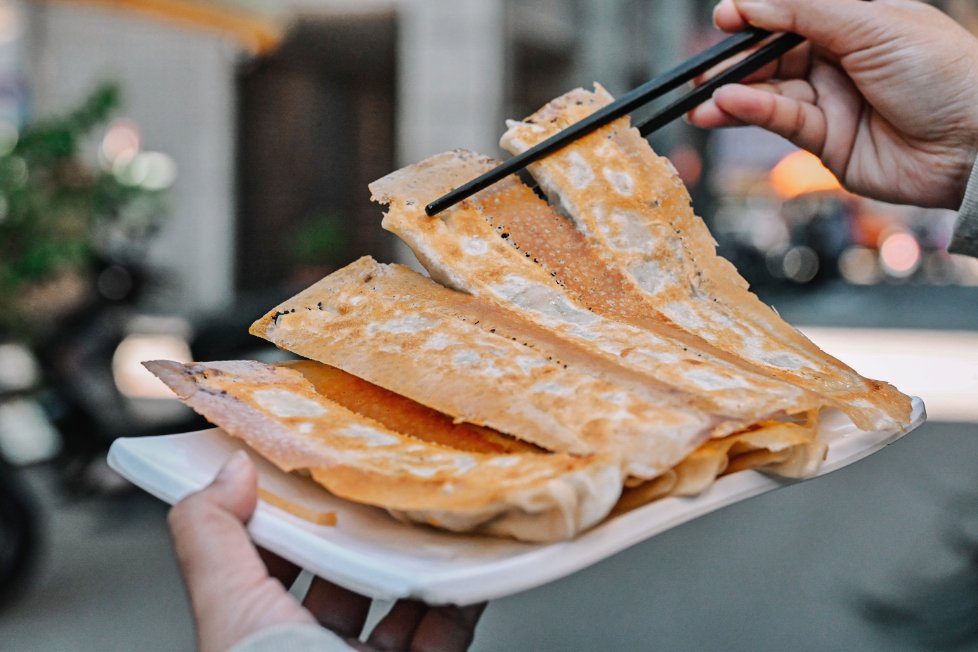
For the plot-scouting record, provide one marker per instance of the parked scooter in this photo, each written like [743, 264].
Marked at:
[82, 386]
[97, 389]
[19, 537]
[20, 419]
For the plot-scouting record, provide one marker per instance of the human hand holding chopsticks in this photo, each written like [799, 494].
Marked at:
[886, 93]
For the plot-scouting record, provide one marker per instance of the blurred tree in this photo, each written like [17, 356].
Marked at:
[59, 216]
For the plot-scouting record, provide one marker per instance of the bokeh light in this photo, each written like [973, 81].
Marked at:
[900, 254]
[135, 381]
[860, 266]
[120, 145]
[800, 264]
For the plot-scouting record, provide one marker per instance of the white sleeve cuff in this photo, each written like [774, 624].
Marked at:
[964, 239]
[292, 638]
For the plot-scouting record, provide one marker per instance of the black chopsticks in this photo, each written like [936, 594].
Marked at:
[765, 55]
[640, 96]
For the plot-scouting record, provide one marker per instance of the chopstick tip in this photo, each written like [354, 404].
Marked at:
[432, 209]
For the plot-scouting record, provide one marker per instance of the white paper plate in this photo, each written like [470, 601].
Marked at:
[371, 553]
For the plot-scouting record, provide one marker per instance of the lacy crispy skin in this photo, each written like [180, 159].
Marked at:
[279, 413]
[482, 247]
[404, 332]
[632, 206]
[401, 414]
[783, 448]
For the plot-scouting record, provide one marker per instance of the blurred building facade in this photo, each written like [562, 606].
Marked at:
[278, 146]
[279, 113]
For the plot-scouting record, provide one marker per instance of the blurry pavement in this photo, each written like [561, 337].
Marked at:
[932, 307]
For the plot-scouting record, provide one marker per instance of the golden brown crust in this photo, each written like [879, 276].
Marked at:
[276, 411]
[400, 330]
[401, 414]
[474, 247]
[616, 338]
[632, 204]
[788, 449]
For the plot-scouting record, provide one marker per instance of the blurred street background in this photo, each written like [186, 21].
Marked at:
[171, 169]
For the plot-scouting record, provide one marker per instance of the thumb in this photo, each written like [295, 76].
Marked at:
[212, 545]
[839, 26]
[235, 487]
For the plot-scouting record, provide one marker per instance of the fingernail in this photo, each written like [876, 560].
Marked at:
[233, 467]
[716, 9]
[761, 12]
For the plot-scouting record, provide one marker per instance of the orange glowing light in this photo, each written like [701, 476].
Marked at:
[799, 173]
[253, 30]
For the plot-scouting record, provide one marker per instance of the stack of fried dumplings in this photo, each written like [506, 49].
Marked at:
[562, 361]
